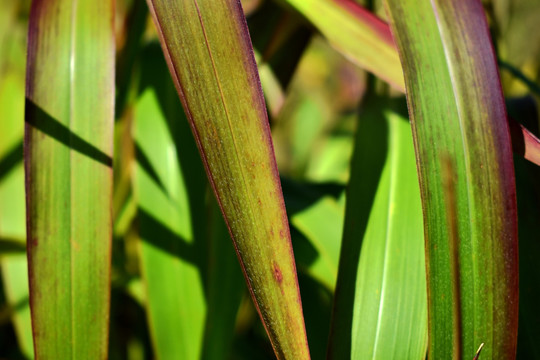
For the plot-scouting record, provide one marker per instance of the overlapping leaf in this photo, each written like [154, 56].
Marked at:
[466, 174]
[357, 33]
[367, 42]
[380, 309]
[170, 215]
[207, 48]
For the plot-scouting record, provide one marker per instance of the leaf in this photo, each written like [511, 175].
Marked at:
[12, 211]
[171, 209]
[68, 149]
[224, 277]
[524, 142]
[358, 34]
[321, 223]
[207, 48]
[466, 173]
[365, 40]
[514, 25]
[380, 309]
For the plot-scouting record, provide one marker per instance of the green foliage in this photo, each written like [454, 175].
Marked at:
[382, 236]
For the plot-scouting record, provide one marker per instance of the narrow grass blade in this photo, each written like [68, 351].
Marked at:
[466, 173]
[171, 209]
[68, 149]
[207, 47]
[380, 308]
[358, 34]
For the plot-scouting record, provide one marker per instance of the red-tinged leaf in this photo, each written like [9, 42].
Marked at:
[365, 40]
[466, 174]
[357, 33]
[68, 149]
[524, 142]
[208, 50]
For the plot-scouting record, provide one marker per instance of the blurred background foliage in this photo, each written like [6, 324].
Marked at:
[315, 98]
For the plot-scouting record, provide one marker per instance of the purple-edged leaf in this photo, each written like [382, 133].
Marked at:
[208, 50]
[524, 142]
[358, 34]
[466, 174]
[365, 40]
[68, 149]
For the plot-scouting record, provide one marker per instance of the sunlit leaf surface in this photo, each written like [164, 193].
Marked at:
[207, 48]
[380, 309]
[466, 173]
[68, 150]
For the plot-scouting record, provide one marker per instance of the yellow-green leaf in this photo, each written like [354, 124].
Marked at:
[208, 50]
[68, 150]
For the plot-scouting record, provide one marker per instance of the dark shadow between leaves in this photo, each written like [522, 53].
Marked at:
[159, 235]
[146, 165]
[9, 310]
[11, 159]
[301, 195]
[42, 121]
[12, 246]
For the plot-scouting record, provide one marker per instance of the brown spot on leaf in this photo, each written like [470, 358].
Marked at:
[277, 273]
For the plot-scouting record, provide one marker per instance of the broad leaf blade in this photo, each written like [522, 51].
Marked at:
[466, 174]
[209, 54]
[68, 148]
[380, 309]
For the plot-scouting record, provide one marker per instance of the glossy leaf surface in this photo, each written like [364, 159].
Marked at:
[466, 174]
[68, 149]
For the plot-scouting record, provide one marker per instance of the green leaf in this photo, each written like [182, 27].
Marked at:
[466, 173]
[226, 288]
[358, 34]
[322, 223]
[367, 42]
[12, 210]
[380, 308]
[171, 205]
[207, 48]
[68, 149]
